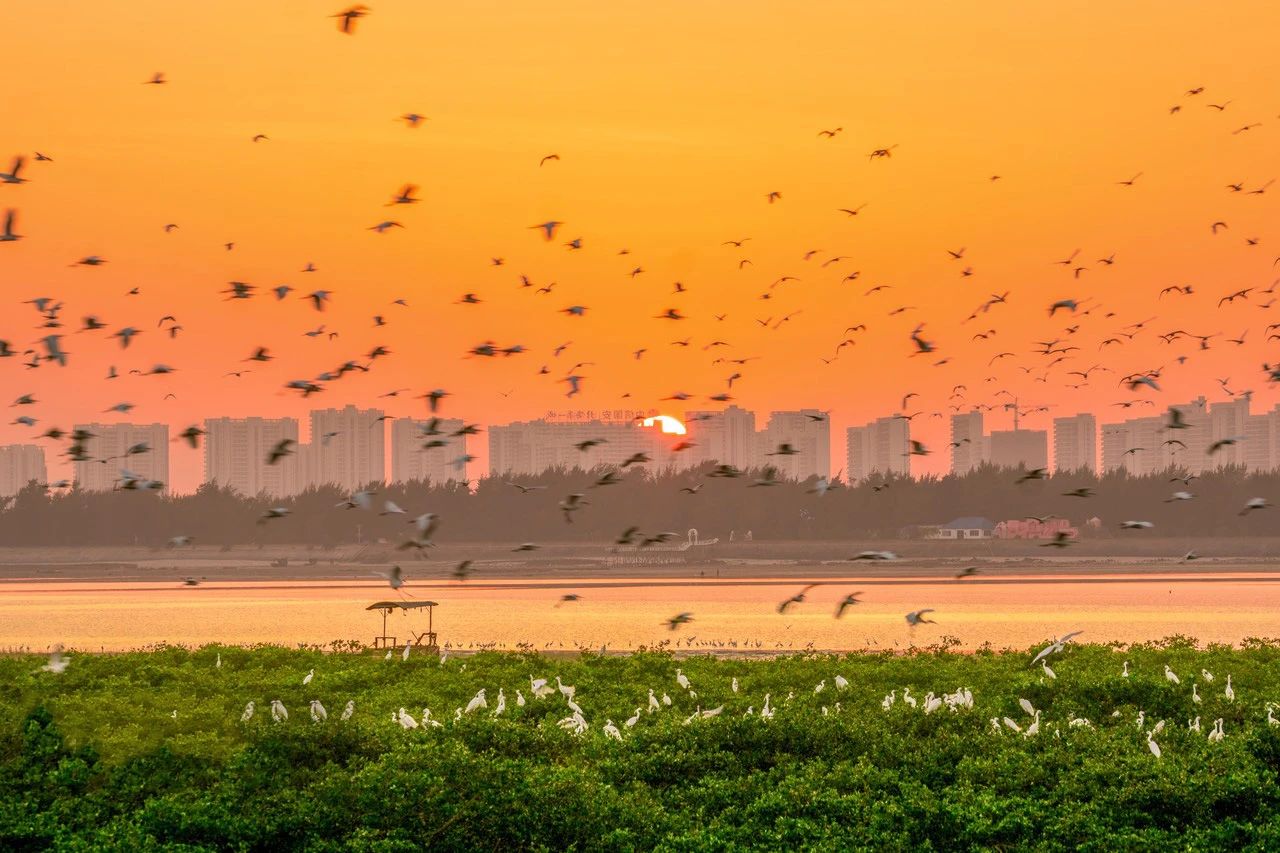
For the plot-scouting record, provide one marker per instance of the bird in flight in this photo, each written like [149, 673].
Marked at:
[11, 176]
[548, 228]
[9, 235]
[347, 18]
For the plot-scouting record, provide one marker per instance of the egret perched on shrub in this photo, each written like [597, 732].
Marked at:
[477, 701]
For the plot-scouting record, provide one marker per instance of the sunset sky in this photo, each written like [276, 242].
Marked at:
[672, 121]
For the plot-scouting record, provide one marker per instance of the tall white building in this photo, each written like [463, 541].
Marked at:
[19, 465]
[968, 443]
[1146, 445]
[727, 437]
[236, 452]
[531, 447]
[1229, 420]
[808, 432]
[880, 447]
[414, 456]
[1260, 441]
[348, 448]
[1075, 443]
[1019, 448]
[107, 447]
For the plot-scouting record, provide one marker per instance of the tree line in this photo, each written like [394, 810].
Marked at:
[492, 509]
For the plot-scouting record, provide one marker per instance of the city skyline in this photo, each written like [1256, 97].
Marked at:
[345, 447]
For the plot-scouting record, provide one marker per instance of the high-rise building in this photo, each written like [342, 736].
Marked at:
[1260, 441]
[1115, 442]
[236, 452]
[531, 447]
[1075, 443]
[808, 434]
[19, 465]
[727, 437]
[348, 448]
[1025, 448]
[417, 453]
[1229, 420]
[1146, 445]
[107, 447]
[880, 447]
[968, 443]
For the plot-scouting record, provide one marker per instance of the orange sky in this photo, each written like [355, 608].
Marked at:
[672, 121]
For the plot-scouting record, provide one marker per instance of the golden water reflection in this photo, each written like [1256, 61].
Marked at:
[624, 614]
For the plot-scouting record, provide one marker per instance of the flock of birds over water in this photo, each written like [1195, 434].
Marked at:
[1086, 348]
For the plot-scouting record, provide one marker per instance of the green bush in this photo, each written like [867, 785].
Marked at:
[95, 758]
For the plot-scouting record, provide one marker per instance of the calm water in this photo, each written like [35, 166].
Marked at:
[627, 613]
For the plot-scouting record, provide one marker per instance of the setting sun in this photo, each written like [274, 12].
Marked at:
[668, 424]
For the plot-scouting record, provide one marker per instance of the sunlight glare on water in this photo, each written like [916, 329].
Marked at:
[625, 614]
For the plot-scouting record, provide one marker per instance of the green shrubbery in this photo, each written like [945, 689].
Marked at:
[94, 759]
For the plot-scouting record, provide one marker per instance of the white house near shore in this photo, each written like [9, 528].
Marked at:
[967, 527]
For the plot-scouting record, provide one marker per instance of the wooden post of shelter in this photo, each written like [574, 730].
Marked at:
[427, 639]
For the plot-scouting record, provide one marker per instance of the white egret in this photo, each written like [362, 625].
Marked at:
[349, 709]
[1170, 675]
[566, 690]
[1229, 692]
[406, 721]
[477, 701]
[307, 680]
[610, 730]
[318, 713]
[278, 711]
[654, 705]
[682, 679]
[519, 699]
[57, 662]
[1152, 745]
[666, 700]
[841, 682]
[248, 713]
[634, 718]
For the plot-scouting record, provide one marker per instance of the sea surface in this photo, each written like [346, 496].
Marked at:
[741, 614]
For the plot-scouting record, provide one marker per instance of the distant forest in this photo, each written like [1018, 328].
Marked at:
[493, 511]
